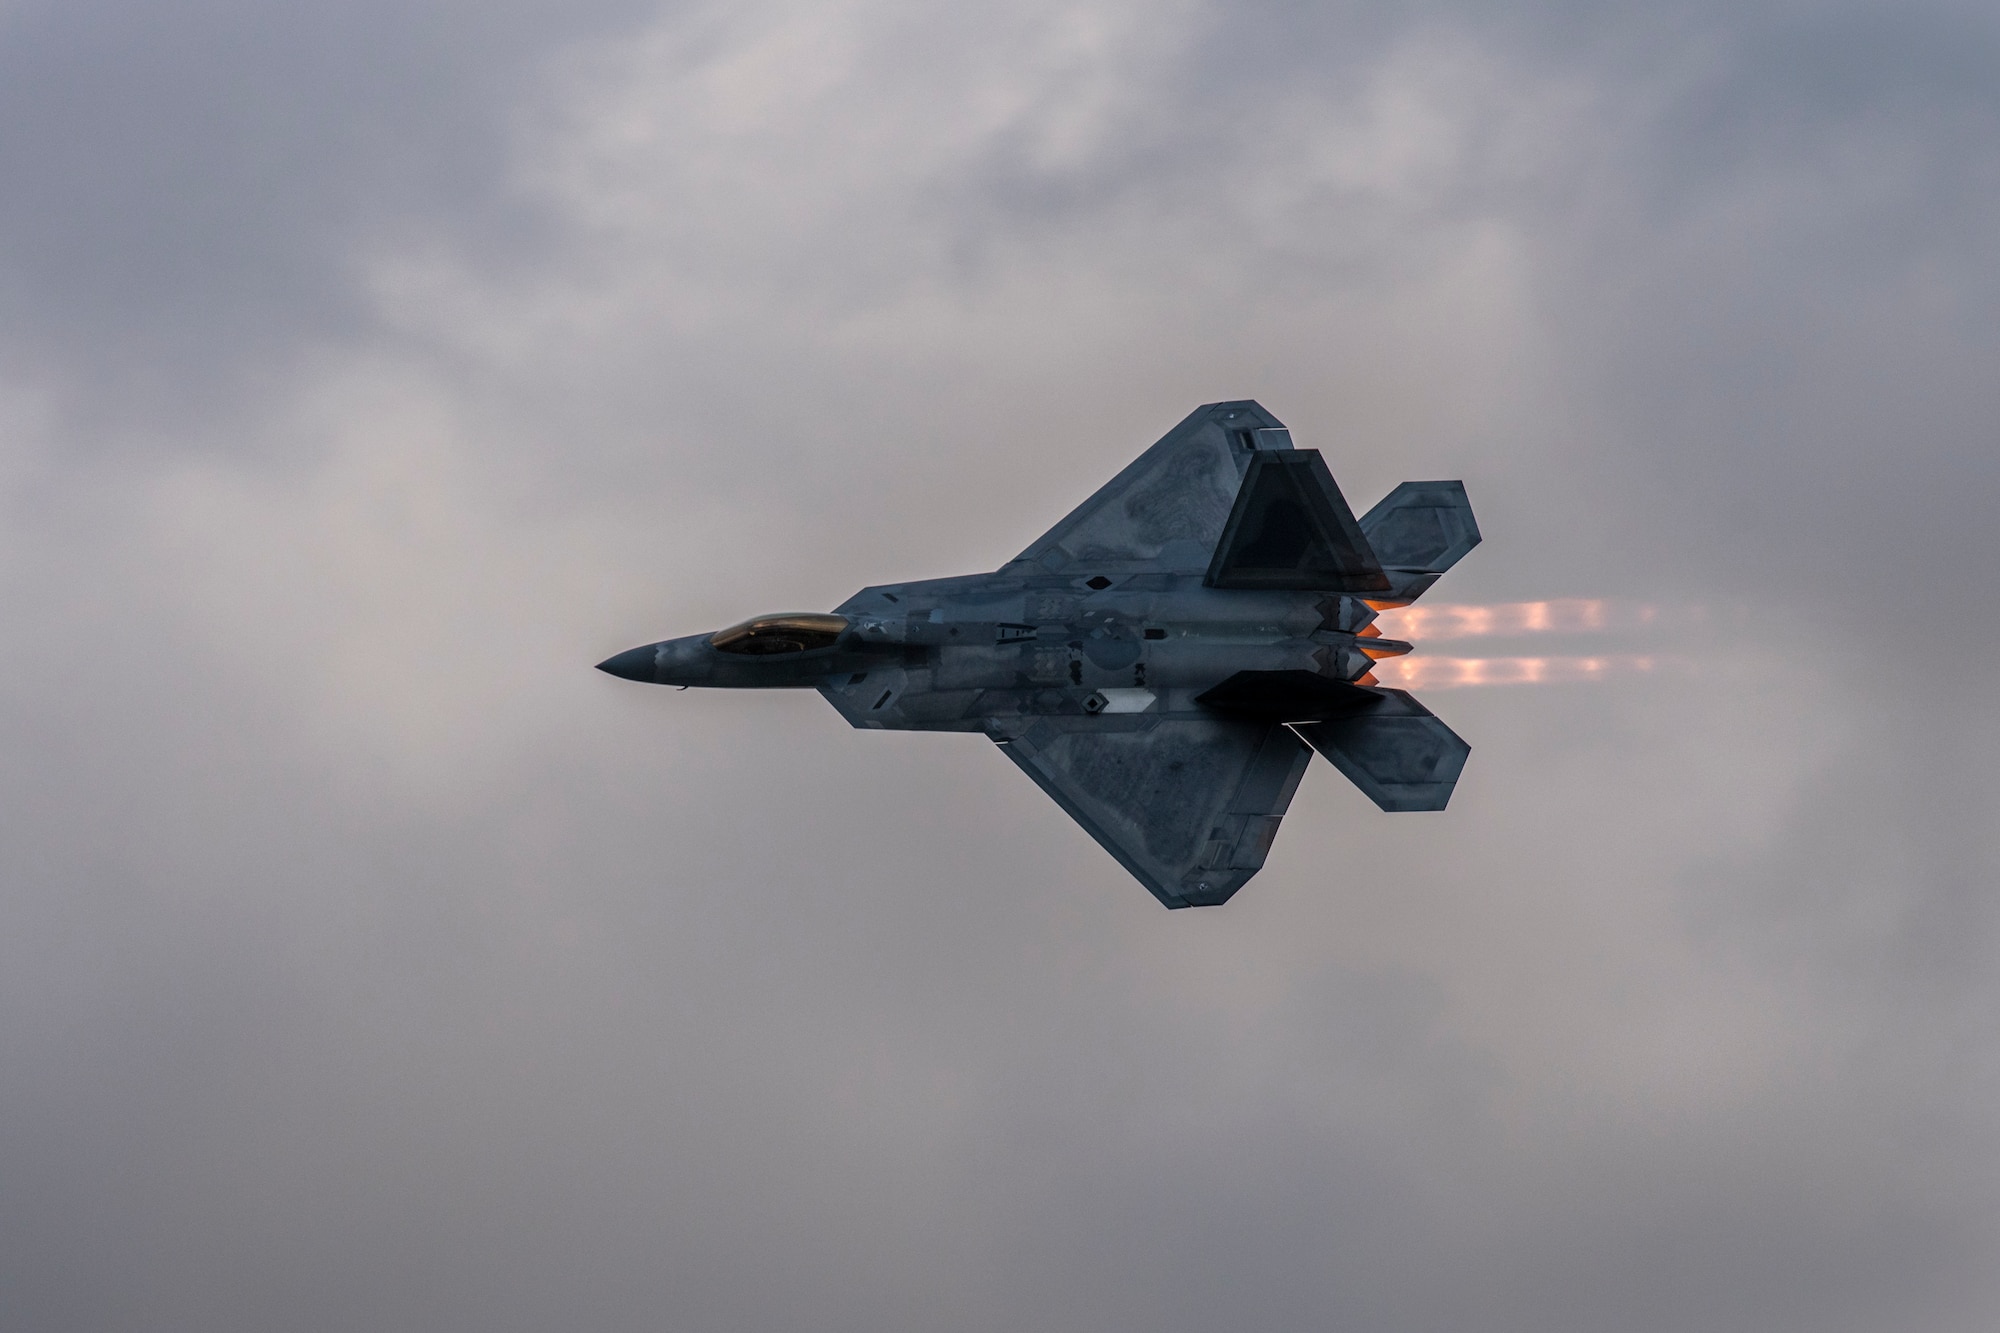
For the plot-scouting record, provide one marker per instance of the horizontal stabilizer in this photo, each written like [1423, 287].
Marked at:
[1418, 531]
[1291, 528]
[1399, 754]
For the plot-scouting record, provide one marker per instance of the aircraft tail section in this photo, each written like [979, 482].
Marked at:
[1291, 528]
[1398, 752]
[1418, 531]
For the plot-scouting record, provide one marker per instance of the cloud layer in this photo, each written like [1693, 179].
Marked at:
[370, 962]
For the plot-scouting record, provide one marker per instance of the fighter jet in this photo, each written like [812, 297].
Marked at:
[1163, 662]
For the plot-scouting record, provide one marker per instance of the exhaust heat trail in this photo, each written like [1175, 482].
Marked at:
[1563, 615]
[1445, 673]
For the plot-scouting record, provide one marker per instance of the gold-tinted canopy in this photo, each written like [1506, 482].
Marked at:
[793, 632]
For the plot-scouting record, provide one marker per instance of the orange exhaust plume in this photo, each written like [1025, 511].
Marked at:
[1567, 615]
[1434, 673]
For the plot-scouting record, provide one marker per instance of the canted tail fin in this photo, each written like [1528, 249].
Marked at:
[1291, 528]
[1418, 531]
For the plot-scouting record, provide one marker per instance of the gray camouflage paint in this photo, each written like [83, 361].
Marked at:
[1160, 661]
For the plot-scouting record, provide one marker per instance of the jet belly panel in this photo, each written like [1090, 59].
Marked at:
[1071, 644]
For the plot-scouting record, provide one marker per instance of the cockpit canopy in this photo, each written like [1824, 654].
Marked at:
[794, 633]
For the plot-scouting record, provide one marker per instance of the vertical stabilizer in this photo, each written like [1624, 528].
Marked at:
[1290, 528]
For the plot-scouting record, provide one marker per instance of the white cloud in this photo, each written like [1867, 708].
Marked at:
[598, 1000]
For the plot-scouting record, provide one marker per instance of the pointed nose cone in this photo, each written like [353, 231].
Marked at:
[639, 664]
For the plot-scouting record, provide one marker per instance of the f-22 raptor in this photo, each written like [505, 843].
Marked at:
[1163, 662]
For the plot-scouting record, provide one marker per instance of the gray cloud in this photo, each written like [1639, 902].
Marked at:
[189, 180]
[368, 962]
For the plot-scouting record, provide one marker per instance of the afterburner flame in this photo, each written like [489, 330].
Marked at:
[1565, 615]
[1444, 673]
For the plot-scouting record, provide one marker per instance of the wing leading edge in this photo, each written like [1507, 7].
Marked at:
[1165, 512]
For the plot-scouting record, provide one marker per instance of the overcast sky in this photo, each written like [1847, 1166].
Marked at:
[368, 962]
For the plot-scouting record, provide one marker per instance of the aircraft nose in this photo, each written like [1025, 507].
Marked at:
[639, 664]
